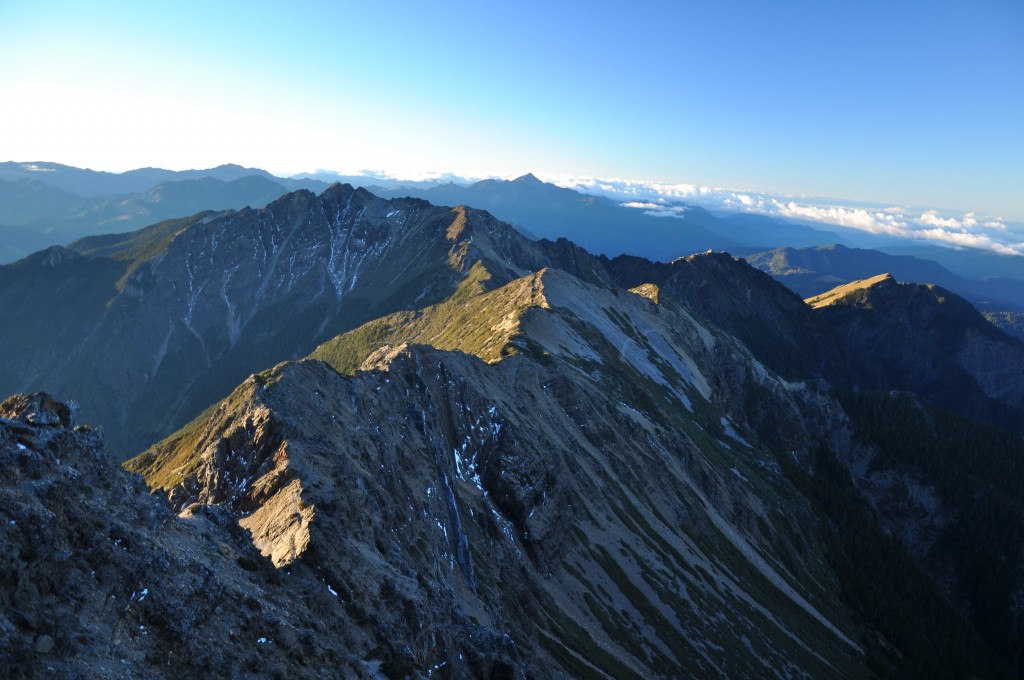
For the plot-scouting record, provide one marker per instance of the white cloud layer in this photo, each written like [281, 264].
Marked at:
[966, 230]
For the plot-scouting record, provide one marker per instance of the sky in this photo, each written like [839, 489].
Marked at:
[898, 103]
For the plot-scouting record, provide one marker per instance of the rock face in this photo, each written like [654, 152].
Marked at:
[451, 501]
[99, 579]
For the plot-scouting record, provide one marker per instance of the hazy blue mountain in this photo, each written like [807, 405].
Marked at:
[598, 224]
[15, 242]
[51, 216]
[763, 231]
[371, 181]
[26, 199]
[810, 271]
[96, 183]
[972, 263]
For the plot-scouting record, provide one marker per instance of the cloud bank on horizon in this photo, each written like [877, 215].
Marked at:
[963, 230]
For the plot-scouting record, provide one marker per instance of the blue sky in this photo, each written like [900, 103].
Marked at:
[907, 103]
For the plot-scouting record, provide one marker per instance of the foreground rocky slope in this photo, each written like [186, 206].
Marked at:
[99, 579]
[428, 495]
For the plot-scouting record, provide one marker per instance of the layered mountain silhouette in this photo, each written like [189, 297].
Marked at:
[812, 271]
[43, 204]
[182, 311]
[604, 226]
[87, 183]
[462, 451]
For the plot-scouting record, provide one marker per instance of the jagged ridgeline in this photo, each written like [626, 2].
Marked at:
[565, 478]
[563, 487]
[498, 458]
[147, 329]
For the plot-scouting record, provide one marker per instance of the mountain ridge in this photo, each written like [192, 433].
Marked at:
[462, 416]
[928, 340]
[811, 271]
[183, 292]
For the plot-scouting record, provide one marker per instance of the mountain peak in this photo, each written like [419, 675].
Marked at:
[528, 178]
[840, 293]
[52, 257]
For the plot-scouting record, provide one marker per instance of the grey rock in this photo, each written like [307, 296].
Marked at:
[44, 644]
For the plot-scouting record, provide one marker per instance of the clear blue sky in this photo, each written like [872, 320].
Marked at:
[902, 102]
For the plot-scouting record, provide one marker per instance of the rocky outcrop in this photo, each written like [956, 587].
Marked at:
[99, 578]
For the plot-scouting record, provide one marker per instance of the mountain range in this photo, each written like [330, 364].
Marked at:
[43, 204]
[403, 438]
[54, 205]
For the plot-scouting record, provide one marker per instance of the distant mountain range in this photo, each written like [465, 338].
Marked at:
[604, 226]
[99, 184]
[44, 204]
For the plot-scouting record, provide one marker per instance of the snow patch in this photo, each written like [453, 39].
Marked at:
[732, 433]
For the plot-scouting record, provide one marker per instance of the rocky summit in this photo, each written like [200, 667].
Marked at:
[419, 444]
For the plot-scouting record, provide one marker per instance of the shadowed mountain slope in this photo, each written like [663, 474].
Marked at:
[768, 318]
[925, 339]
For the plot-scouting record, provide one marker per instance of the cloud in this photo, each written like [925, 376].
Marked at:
[875, 222]
[630, 188]
[970, 240]
[931, 218]
[665, 199]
